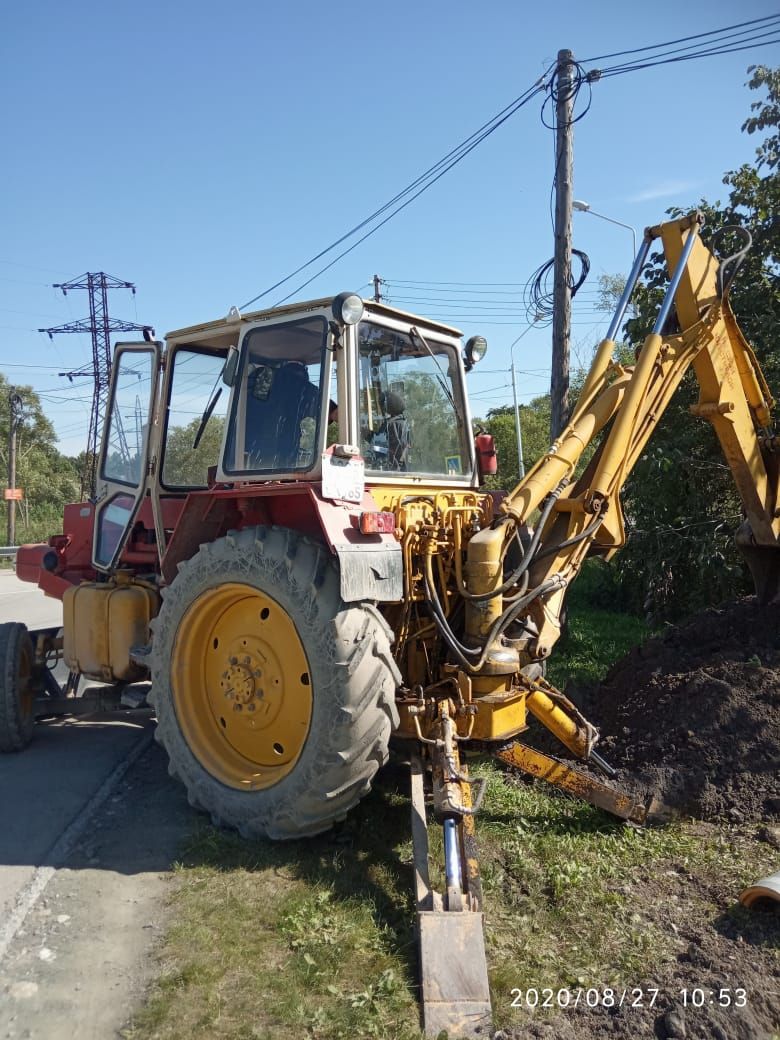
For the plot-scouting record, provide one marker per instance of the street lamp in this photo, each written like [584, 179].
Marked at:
[518, 432]
[584, 207]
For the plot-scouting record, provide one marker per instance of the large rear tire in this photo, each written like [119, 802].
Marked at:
[17, 694]
[275, 700]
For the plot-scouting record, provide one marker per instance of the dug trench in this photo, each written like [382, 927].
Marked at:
[692, 717]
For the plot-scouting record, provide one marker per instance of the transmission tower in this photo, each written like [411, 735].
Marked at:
[100, 326]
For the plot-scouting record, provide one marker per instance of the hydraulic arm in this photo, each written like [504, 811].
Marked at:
[512, 586]
[695, 328]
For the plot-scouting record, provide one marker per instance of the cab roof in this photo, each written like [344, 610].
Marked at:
[225, 331]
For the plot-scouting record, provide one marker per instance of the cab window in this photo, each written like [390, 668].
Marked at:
[276, 417]
[195, 420]
[409, 422]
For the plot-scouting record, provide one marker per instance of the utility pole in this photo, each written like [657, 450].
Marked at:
[14, 416]
[564, 175]
[100, 327]
[377, 290]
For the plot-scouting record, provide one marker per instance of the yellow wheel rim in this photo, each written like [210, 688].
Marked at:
[241, 686]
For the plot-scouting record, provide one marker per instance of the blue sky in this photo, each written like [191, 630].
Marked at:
[203, 151]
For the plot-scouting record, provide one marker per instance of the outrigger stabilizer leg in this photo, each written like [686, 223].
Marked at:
[455, 994]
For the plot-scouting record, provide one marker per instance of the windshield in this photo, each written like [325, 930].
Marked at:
[409, 422]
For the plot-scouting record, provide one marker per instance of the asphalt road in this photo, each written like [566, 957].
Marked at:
[89, 826]
[20, 601]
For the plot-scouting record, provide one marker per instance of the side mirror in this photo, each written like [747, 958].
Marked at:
[230, 366]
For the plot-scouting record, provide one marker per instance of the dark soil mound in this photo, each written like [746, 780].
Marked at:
[694, 714]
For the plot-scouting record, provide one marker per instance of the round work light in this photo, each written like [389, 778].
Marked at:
[476, 348]
[347, 308]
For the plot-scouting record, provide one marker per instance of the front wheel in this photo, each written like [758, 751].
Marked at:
[275, 700]
[17, 693]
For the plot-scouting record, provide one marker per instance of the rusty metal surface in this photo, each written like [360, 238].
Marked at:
[472, 878]
[453, 974]
[422, 883]
[612, 800]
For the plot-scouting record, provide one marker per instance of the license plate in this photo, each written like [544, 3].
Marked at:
[343, 479]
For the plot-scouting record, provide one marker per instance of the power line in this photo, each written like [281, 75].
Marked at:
[408, 194]
[46, 368]
[744, 40]
[618, 71]
[67, 390]
[462, 155]
[425, 180]
[683, 39]
[463, 294]
[478, 319]
[405, 281]
[509, 307]
[715, 47]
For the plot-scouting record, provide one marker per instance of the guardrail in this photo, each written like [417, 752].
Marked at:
[8, 550]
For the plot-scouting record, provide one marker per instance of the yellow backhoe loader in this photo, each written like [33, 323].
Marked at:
[292, 540]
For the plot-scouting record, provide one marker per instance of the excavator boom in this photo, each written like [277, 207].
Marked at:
[695, 328]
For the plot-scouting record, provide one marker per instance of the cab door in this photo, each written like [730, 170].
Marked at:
[124, 454]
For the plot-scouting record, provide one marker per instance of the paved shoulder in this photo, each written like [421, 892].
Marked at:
[81, 962]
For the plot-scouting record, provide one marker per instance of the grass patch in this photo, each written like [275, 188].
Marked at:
[576, 898]
[301, 939]
[594, 637]
[593, 641]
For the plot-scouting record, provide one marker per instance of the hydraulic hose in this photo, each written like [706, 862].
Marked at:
[480, 597]
[586, 533]
[509, 615]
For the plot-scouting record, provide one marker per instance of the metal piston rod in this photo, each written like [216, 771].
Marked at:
[452, 865]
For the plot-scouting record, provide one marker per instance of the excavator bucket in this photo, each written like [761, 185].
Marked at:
[764, 564]
[454, 989]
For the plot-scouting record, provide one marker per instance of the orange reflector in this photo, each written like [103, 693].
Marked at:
[377, 523]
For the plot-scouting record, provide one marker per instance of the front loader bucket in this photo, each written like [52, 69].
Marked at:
[453, 974]
[767, 890]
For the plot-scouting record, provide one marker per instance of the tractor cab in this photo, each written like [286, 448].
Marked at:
[344, 394]
[386, 384]
[352, 379]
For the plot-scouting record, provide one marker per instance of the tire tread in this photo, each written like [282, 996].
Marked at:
[351, 736]
[16, 731]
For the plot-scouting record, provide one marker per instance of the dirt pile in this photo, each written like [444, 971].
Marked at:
[694, 713]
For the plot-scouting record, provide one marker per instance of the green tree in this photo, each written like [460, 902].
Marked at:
[680, 499]
[534, 431]
[433, 431]
[185, 467]
[47, 478]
